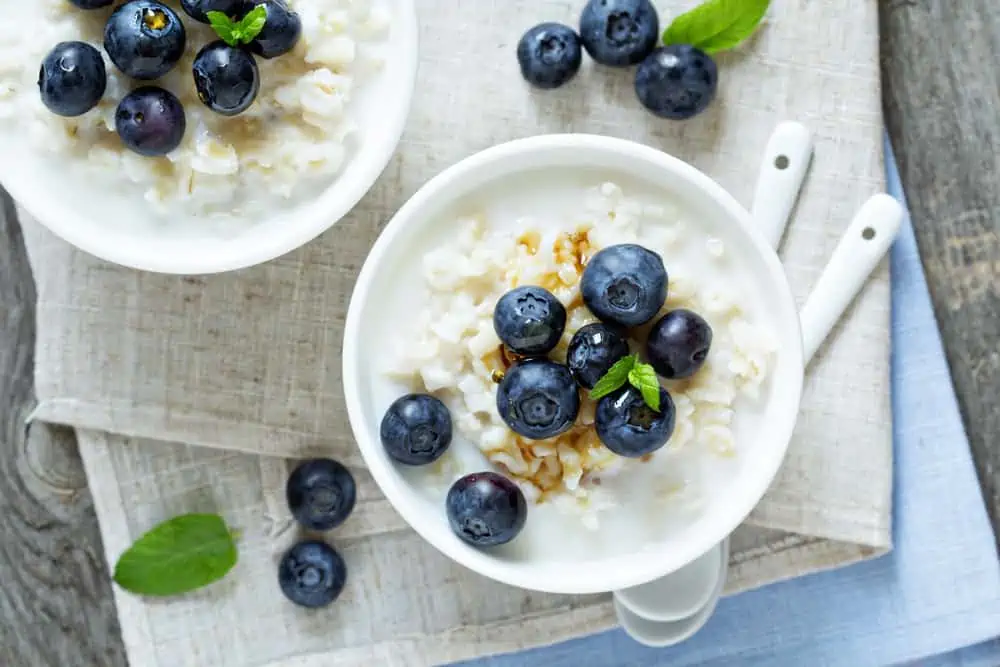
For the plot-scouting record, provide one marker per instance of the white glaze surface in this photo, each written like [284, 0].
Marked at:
[540, 229]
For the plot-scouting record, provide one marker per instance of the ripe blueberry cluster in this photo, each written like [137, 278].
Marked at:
[145, 39]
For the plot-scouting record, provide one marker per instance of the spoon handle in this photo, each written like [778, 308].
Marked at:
[782, 171]
[864, 244]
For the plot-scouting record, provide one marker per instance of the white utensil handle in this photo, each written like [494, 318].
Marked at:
[863, 246]
[782, 172]
[679, 594]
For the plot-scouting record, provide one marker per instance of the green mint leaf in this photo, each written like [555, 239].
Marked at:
[615, 378]
[177, 556]
[252, 24]
[716, 25]
[224, 27]
[643, 377]
[218, 18]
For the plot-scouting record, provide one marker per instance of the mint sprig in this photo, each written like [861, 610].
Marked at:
[716, 25]
[239, 32]
[177, 556]
[615, 378]
[629, 370]
[643, 377]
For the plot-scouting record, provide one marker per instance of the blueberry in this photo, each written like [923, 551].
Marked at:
[312, 574]
[281, 31]
[91, 4]
[144, 39]
[593, 350]
[549, 55]
[198, 9]
[624, 284]
[416, 429]
[677, 81]
[619, 33]
[72, 78]
[529, 320]
[321, 494]
[678, 344]
[538, 398]
[629, 427]
[486, 509]
[227, 78]
[150, 121]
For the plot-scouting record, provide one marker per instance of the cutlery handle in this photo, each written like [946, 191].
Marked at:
[782, 172]
[864, 244]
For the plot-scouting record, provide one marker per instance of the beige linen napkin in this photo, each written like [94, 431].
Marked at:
[405, 605]
[250, 361]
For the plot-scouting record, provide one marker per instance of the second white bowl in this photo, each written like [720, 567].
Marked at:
[115, 224]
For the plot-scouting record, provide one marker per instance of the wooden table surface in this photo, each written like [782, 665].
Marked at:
[942, 103]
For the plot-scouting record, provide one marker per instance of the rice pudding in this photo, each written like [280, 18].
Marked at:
[451, 350]
[295, 137]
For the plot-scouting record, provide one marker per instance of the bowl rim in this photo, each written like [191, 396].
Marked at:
[644, 565]
[174, 256]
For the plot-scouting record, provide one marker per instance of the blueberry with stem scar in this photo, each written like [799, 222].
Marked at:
[72, 78]
[144, 39]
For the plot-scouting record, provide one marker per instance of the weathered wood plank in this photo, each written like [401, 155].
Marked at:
[56, 607]
[942, 103]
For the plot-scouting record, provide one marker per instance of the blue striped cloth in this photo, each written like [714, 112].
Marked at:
[934, 601]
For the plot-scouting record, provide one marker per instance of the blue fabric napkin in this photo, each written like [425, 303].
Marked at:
[936, 593]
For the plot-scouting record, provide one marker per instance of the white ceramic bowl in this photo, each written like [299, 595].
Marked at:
[393, 265]
[114, 224]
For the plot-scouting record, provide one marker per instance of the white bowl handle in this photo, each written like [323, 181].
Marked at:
[868, 238]
[782, 172]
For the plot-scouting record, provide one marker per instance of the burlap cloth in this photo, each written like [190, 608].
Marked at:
[244, 368]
